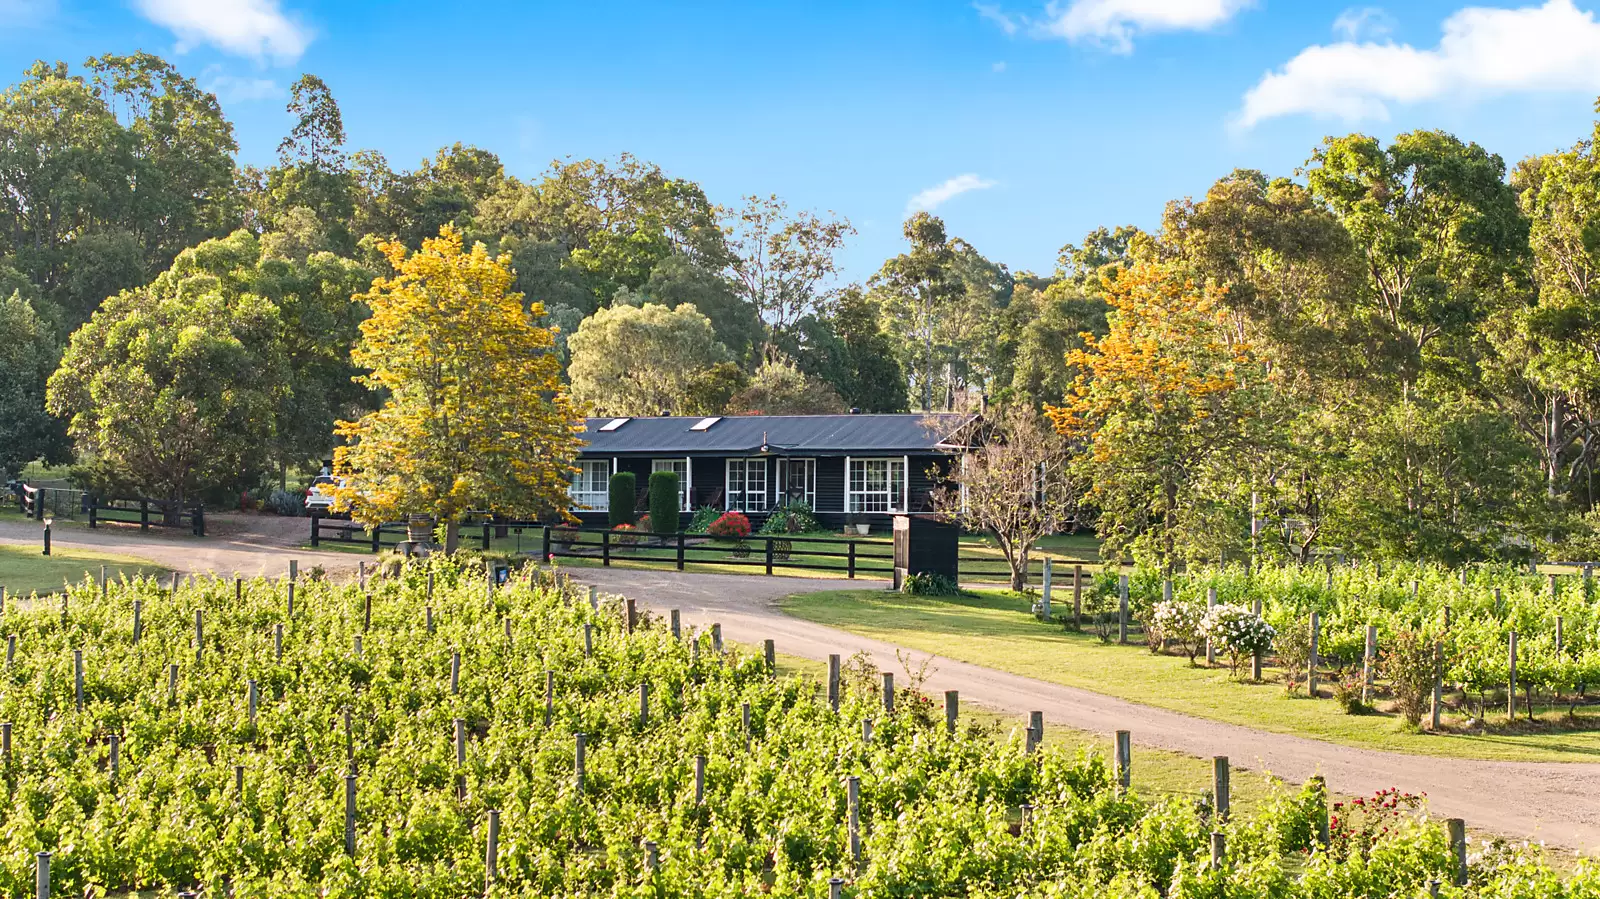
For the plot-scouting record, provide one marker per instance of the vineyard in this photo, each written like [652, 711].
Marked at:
[428, 734]
[1496, 639]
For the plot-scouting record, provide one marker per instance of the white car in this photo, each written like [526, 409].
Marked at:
[319, 499]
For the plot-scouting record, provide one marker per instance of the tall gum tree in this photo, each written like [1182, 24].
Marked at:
[476, 417]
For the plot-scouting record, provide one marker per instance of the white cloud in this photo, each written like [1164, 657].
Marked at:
[998, 67]
[254, 28]
[994, 14]
[1364, 23]
[1484, 52]
[16, 14]
[934, 197]
[233, 89]
[1114, 22]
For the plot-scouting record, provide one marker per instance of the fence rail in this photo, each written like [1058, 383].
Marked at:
[984, 568]
[849, 556]
[147, 514]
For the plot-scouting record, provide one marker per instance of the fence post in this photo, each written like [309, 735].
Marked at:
[144, 515]
[1124, 761]
[377, 538]
[605, 548]
[199, 519]
[850, 563]
[681, 540]
[486, 535]
[544, 546]
[769, 555]
[94, 511]
[316, 529]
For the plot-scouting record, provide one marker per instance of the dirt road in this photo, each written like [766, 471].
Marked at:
[239, 544]
[1553, 802]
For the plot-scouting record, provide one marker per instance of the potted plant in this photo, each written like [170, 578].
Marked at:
[857, 523]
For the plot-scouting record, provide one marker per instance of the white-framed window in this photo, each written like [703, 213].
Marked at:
[747, 485]
[797, 480]
[680, 467]
[875, 485]
[590, 485]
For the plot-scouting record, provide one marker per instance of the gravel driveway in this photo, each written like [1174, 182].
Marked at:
[1554, 802]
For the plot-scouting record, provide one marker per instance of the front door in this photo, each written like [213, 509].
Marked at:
[797, 480]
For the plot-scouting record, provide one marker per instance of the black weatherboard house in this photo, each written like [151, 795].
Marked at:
[851, 469]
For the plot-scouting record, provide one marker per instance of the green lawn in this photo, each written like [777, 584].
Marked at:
[24, 569]
[1155, 772]
[995, 630]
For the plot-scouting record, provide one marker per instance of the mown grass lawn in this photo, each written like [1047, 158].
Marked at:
[1156, 772]
[25, 570]
[996, 630]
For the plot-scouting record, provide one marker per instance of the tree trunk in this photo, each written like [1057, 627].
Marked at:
[1019, 572]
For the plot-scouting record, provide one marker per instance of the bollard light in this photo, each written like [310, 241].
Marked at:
[47, 523]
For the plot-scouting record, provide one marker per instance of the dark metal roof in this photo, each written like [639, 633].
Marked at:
[790, 435]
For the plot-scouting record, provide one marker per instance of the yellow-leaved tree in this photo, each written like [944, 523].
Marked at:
[475, 416]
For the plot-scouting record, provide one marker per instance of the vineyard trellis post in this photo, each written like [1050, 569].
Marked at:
[1367, 659]
[769, 655]
[579, 760]
[491, 851]
[1319, 788]
[677, 624]
[833, 681]
[1211, 648]
[1044, 591]
[644, 704]
[1457, 829]
[1438, 683]
[952, 709]
[350, 815]
[1123, 761]
[1077, 596]
[1511, 679]
[41, 876]
[1312, 662]
[1221, 793]
[5, 741]
[1035, 729]
[853, 803]
[888, 693]
[1218, 848]
[1255, 658]
[1122, 609]
[77, 677]
[138, 620]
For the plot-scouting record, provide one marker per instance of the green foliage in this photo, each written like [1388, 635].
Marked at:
[701, 521]
[730, 526]
[635, 361]
[283, 502]
[929, 583]
[791, 518]
[623, 496]
[1409, 661]
[664, 501]
[28, 355]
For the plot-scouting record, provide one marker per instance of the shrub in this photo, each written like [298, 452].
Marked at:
[730, 525]
[645, 524]
[1239, 631]
[1407, 662]
[791, 518]
[702, 518]
[1347, 691]
[623, 493]
[664, 501]
[929, 583]
[282, 502]
[1293, 646]
[1179, 622]
[625, 535]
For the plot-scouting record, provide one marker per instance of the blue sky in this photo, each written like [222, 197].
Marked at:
[1023, 125]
